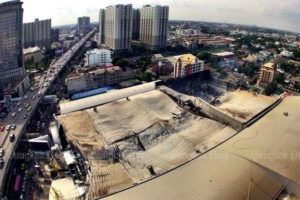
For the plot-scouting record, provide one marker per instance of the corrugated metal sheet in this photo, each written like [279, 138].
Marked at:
[216, 175]
[93, 101]
[91, 92]
[273, 141]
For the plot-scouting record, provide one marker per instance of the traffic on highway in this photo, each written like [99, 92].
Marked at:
[19, 115]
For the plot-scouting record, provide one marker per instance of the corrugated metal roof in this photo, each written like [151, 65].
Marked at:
[273, 141]
[230, 170]
[91, 92]
[93, 101]
[215, 175]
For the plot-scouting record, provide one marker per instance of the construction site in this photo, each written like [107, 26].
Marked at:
[133, 135]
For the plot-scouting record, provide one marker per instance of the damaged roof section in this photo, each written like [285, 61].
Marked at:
[135, 139]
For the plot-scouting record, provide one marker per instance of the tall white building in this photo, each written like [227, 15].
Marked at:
[37, 33]
[118, 27]
[98, 57]
[154, 26]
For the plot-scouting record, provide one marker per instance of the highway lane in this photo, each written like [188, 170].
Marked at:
[44, 85]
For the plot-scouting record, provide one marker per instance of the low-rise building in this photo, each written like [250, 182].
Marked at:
[33, 53]
[87, 79]
[225, 59]
[287, 54]
[186, 64]
[98, 57]
[267, 74]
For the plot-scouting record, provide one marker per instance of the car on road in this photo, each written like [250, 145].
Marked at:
[1, 152]
[1, 163]
[29, 109]
[33, 98]
[8, 127]
[13, 114]
[2, 128]
[20, 109]
[12, 137]
[25, 97]
[25, 116]
[27, 105]
[13, 126]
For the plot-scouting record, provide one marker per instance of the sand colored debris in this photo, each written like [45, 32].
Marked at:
[107, 178]
[80, 129]
[243, 105]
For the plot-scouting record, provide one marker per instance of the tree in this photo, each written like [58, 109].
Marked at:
[288, 67]
[115, 60]
[204, 56]
[122, 64]
[296, 54]
[250, 69]
[147, 76]
[271, 88]
[280, 78]
[253, 81]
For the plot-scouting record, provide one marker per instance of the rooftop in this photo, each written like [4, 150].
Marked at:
[63, 189]
[257, 163]
[105, 98]
[224, 54]
[215, 175]
[269, 65]
[186, 58]
[273, 142]
[31, 50]
[97, 51]
[168, 137]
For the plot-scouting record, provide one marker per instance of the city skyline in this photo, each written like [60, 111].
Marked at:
[284, 16]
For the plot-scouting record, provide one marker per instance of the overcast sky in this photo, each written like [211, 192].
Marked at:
[282, 14]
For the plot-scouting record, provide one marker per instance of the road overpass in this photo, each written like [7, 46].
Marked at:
[33, 98]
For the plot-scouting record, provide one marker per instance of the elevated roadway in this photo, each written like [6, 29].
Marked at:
[32, 98]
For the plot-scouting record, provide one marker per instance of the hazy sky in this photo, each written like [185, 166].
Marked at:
[282, 14]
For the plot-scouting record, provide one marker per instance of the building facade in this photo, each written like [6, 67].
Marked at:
[154, 26]
[186, 64]
[118, 27]
[54, 35]
[136, 24]
[12, 72]
[101, 35]
[98, 57]
[37, 33]
[86, 79]
[267, 74]
[83, 24]
[225, 60]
